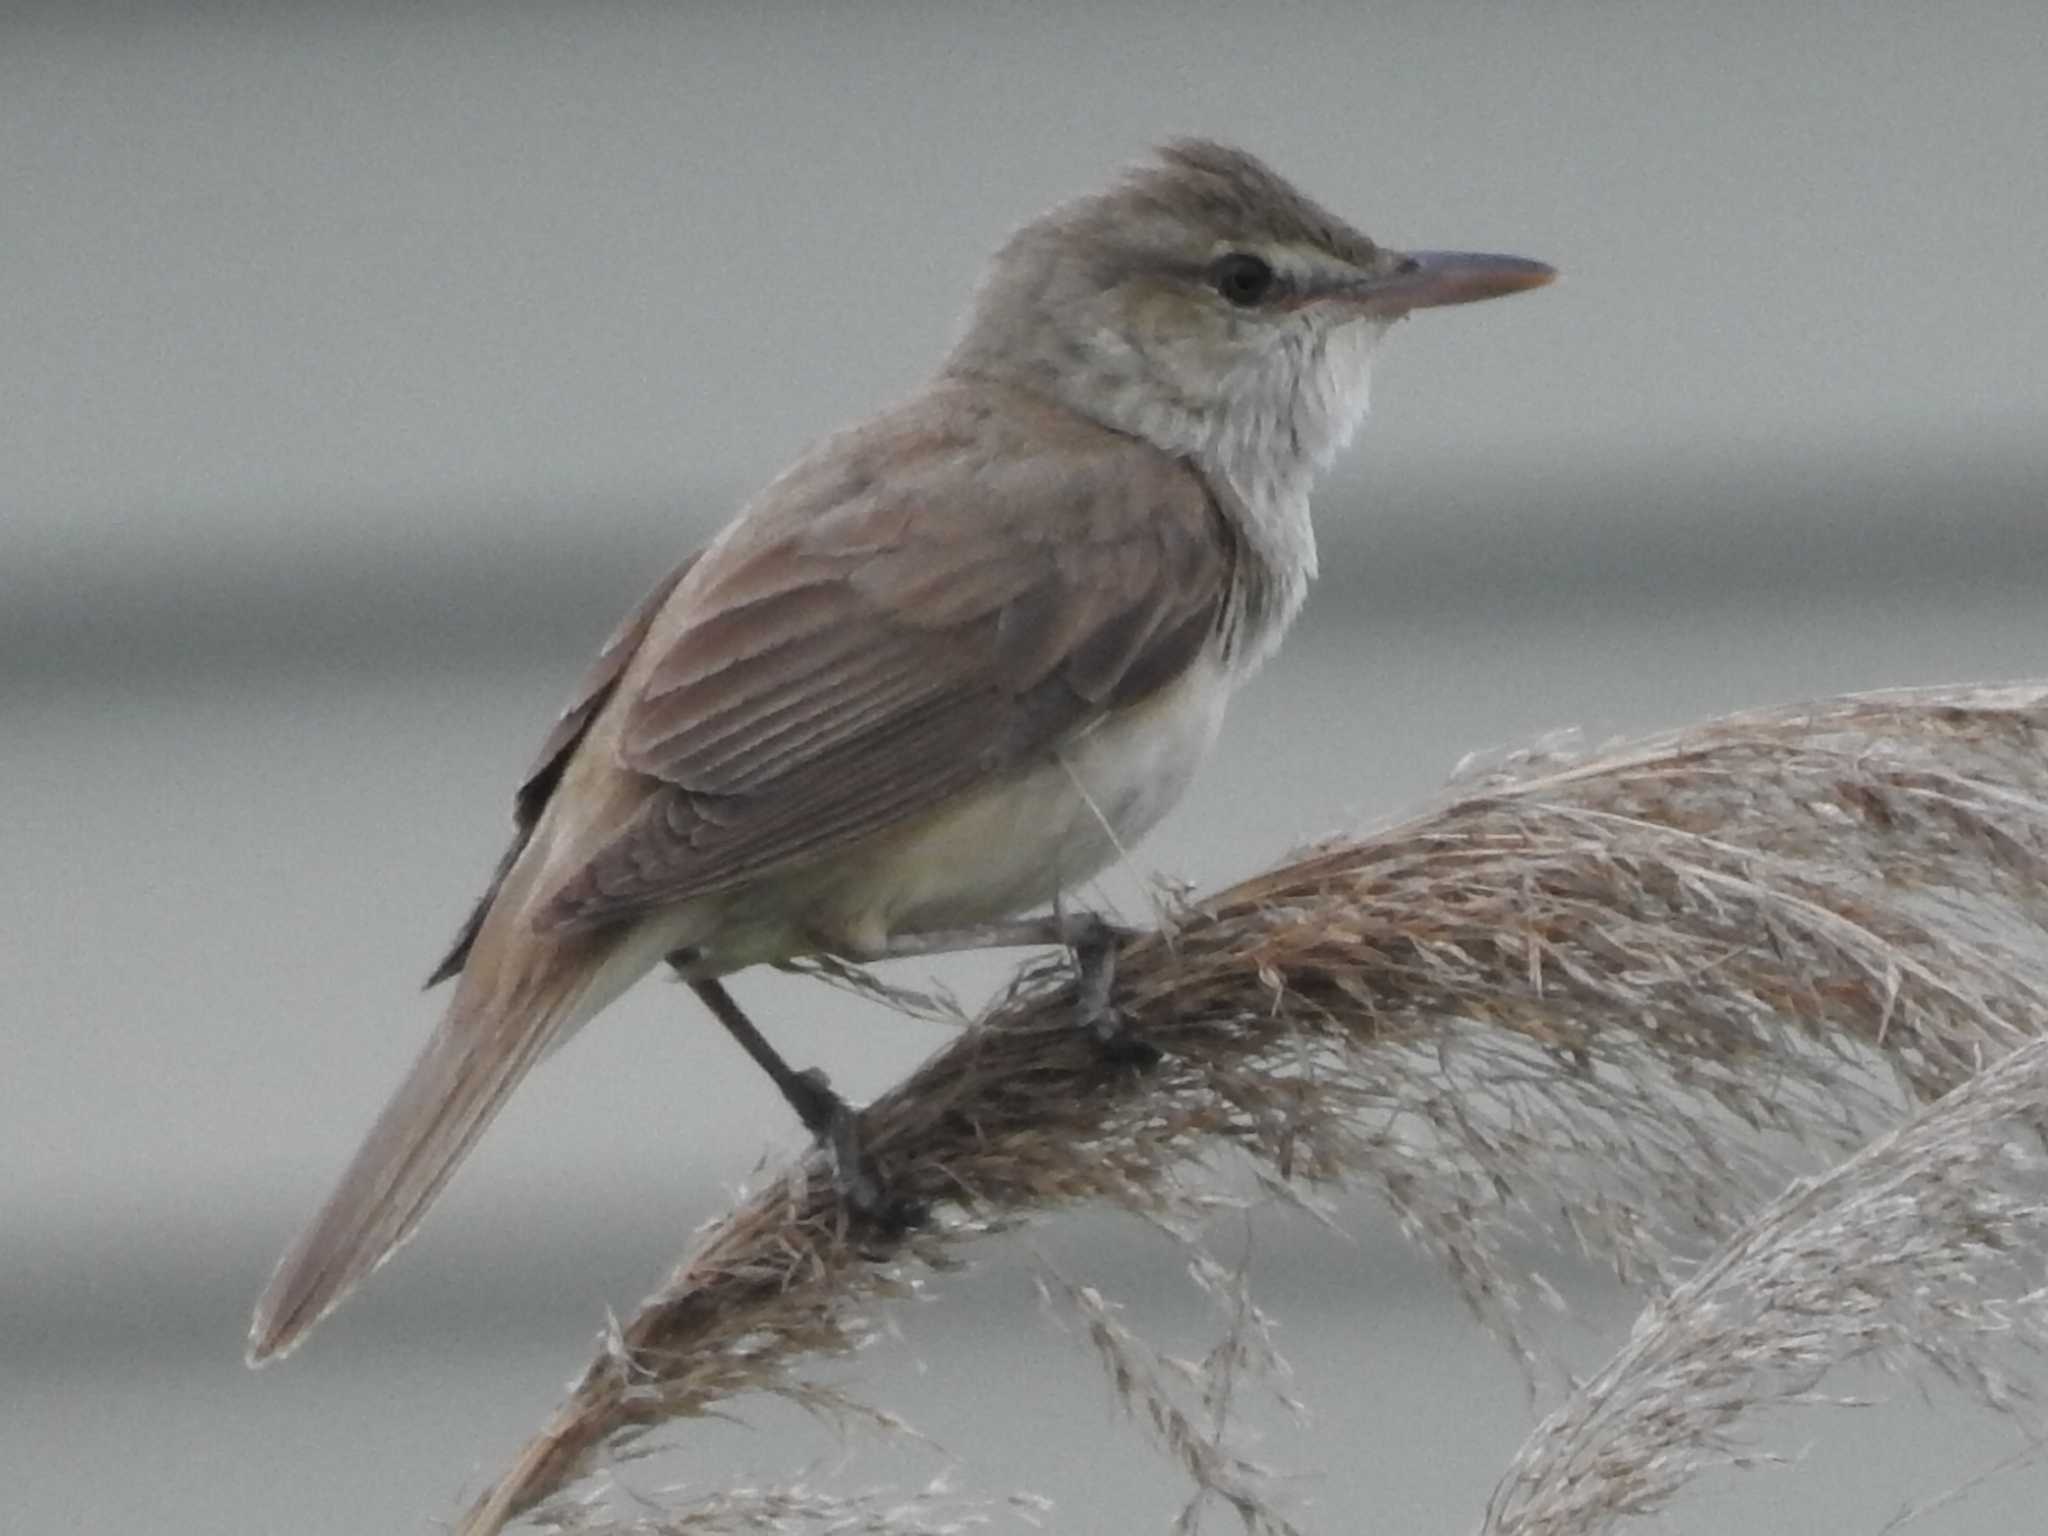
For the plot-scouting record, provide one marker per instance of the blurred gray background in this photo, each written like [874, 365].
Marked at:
[359, 364]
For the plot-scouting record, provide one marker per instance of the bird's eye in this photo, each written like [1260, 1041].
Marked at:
[1242, 278]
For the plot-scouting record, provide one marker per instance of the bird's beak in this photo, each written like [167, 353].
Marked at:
[1429, 279]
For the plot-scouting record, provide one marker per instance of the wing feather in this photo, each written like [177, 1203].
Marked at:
[570, 727]
[926, 609]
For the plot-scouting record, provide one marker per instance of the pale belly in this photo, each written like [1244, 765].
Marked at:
[1012, 847]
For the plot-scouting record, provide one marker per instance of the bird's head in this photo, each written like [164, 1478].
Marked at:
[1205, 304]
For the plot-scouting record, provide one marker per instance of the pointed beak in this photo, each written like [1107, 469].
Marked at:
[1430, 279]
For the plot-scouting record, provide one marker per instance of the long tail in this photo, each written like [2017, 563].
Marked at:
[519, 995]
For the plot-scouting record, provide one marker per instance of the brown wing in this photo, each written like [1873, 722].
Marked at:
[930, 605]
[546, 771]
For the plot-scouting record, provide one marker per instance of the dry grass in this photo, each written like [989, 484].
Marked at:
[1599, 994]
[1928, 1248]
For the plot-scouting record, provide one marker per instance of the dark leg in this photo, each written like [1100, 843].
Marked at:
[1092, 939]
[823, 1112]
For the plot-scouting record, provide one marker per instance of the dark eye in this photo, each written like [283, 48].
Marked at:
[1242, 278]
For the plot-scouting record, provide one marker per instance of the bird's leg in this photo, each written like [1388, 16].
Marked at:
[1092, 940]
[823, 1112]
[1088, 936]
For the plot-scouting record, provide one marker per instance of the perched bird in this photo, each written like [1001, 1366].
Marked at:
[950, 663]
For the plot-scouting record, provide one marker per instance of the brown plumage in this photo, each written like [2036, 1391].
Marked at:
[946, 667]
[855, 652]
[858, 651]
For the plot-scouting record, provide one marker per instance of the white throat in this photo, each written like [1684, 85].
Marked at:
[1289, 412]
[1286, 418]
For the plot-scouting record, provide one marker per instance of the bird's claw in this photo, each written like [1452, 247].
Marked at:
[1094, 943]
[835, 1125]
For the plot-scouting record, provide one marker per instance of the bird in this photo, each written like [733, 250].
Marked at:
[951, 663]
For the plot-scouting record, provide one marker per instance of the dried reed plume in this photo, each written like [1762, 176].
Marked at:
[1595, 993]
[1931, 1245]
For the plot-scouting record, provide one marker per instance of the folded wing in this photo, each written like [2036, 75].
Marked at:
[943, 598]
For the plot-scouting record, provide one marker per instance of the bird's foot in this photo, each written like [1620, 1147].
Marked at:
[836, 1127]
[1093, 940]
